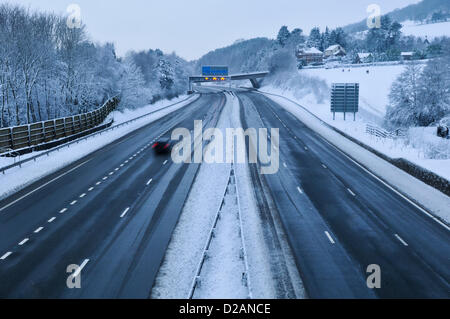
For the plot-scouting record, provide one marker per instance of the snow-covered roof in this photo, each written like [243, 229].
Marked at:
[311, 50]
[364, 55]
[333, 47]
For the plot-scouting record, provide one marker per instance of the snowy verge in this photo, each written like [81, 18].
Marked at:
[415, 190]
[18, 178]
[420, 146]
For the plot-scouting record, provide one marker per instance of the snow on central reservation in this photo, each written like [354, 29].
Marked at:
[221, 274]
[430, 31]
[421, 146]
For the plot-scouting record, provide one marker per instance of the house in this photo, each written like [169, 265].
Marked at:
[407, 56]
[363, 58]
[335, 50]
[309, 55]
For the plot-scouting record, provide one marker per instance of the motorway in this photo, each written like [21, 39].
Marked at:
[340, 219]
[114, 211]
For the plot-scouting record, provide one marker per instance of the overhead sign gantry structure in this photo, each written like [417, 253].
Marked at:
[221, 74]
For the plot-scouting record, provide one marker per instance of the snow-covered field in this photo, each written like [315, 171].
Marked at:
[18, 178]
[430, 31]
[374, 86]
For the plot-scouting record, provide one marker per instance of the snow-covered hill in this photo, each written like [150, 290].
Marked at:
[430, 31]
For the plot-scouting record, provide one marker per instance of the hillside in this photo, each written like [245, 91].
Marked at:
[418, 11]
[242, 56]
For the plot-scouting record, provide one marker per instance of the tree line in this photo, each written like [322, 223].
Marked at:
[49, 69]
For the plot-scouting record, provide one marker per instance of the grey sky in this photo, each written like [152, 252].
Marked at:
[192, 28]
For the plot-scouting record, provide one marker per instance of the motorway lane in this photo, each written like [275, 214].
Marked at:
[116, 199]
[366, 222]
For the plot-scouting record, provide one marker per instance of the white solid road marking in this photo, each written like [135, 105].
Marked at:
[82, 195]
[79, 269]
[149, 181]
[299, 190]
[390, 187]
[24, 241]
[62, 211]
[6, 255]
[73, 203]
[125, 212]
[43, 185]
[38, 230]
[350, 191]
[401, 240]
[51, 219]
[329, 237]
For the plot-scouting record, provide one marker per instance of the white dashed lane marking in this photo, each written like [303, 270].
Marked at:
[125, 212]
[6, 255]
[24, 241]
[38, 230]
[73, 203]
[51, 219]
[62, 211]
[90, 189]
[299, 190]
[350, 191]
[165, 162]
[149, 181]
[82, 195]
[329, 237]
[79, 269]
[401, 240]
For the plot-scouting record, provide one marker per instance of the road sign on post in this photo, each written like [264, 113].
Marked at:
[214, 70]
[345, 98]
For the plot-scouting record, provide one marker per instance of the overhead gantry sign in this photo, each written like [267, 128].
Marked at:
[220, 74]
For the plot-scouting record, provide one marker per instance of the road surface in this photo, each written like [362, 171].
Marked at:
[114, 211]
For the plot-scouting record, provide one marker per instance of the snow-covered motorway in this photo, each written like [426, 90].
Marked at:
[112, 213]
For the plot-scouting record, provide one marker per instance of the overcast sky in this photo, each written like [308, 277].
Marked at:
[191, 28]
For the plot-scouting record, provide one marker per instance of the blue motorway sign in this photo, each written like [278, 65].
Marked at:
[214, 70]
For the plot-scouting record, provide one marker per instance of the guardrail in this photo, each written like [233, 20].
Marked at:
[76, 141]
[22, 138]
[379, 132]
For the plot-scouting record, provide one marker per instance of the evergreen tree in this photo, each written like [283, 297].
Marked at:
[315, 38]
[283, 36]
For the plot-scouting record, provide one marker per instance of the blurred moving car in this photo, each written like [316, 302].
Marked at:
[163, 146]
